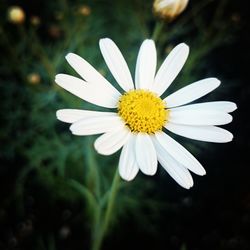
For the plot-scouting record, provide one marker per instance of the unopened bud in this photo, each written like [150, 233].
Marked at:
[16, 15]
[35, 20]
[34, 78]
[169, 9]
[85, 10]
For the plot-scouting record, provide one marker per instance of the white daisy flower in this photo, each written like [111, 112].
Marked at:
[141, 117]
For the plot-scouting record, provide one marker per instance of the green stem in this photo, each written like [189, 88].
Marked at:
[93, 176]
[102, 226]
[111, 200]
[157, 30]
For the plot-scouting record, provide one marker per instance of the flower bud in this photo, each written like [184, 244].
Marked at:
[34, 78]
[169, 9]
[85, 10]
[35, 20]
[55, 31]
[16, 15]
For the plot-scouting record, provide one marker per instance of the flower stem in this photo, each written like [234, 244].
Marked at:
[157, 30]
[101, 230]
[111, 200]
[93, 177]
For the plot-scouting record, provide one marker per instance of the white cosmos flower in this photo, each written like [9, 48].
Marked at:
[140, 117]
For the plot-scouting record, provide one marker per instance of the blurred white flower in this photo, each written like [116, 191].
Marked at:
[169, 9]
[141, 116]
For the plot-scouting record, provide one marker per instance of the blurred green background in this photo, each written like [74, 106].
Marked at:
[45, 170]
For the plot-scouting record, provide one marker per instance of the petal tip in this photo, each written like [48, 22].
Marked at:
[234, 106]
[72, 128]
[127, 178]
[216, 80]
[104, 39]
[58, 114]
[101, 153]
[230, 118]
[69, 55]
[58, 77]
[203, 173]
[148, 40]
[187, 186]
[98, 148]
[184, 46]
[230, 137]
[152, 173]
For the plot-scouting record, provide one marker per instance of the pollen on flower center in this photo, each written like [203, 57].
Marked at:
[142, 111]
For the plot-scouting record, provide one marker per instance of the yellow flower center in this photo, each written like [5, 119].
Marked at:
[142, 111]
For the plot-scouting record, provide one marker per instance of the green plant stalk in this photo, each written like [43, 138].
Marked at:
[93, 176]
[157, 30]
[111, 200]
[101, 226]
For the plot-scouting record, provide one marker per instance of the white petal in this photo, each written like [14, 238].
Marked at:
[96, 125]
[178, 152]
[74, 115]
[128, 167]
[201, 133]
[176, 170]
[191, 92]
[90, 92]
[88, 72]
[116, 63]
[146, 65]
[170, 68]
[145, 154]
[85, 69]
[199, 117]
[222, 106]
[165, 3]
[112, 141]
